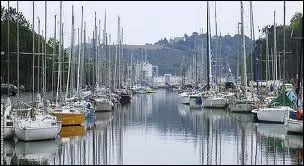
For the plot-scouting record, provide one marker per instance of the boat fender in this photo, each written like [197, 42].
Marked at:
[299, 115]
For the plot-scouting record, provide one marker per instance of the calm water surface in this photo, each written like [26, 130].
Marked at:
[155, 129]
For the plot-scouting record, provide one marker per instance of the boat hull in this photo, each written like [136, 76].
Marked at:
[241, 107]
[125, 99]
[69, 119]
[184, 99]
[293, 125]
[215, 103]
[103, 105]
[37, 133]
[273, 115]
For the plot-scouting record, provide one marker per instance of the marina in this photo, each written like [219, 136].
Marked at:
[75, 96]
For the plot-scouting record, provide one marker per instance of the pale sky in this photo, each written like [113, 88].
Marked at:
[149, 21]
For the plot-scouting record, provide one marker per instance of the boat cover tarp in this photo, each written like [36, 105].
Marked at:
[289, 96]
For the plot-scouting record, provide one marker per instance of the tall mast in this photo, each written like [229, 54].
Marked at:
[17, 54]
[38, 65]
[101, 56]
[275, 47]
[122, 59]
[252, 38]
[79, 52]
[81, 49]
[84, 48]
[284, 42]
[216, 46]
[267, 57]
[118, 45]
[78, 66]
[109, 60]
[33, 71]
[238, 58]
[244, 78]
[70, 55]
[115, 67]
[95, 54]
[8, 41]
[53, 64]
[208, 50]
[59, 56]
[45, 50]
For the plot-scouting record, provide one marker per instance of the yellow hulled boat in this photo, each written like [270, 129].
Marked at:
[68, 115]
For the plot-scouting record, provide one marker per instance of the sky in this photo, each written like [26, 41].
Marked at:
[149, 21]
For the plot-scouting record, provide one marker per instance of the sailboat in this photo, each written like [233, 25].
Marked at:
[101, 100]
[67, 114]
[242, 104]
[209, 100]
[278, 109]
[37, 126]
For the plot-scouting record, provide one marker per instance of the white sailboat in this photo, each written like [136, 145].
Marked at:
[243, 104]
[37, 126]
[209, 100]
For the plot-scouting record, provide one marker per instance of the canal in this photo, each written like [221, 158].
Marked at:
[155, 129]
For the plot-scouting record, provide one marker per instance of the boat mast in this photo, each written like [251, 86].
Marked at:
[38, 65]
[45, 50]
[275, 49]
[53, 64]
[244, 78]
[252, 49]
[95, 54]
[82, 50]
[118, 45]
[17, 55]
[122, 60]
[267, 57]
[59, 56]
[33, 70]
[70, 55]
[79, 52]
[208, 50]
[8, 46]
[284, 43]
[216, 46]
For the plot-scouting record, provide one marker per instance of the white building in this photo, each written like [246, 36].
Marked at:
[160, 80]
[147, 71]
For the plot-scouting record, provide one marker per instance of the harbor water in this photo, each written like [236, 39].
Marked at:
[156, 129]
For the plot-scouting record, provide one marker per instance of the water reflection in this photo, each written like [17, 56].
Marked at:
[72, 131]
[154, 129]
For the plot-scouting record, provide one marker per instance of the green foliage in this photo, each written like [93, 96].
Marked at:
[292, 46]
[25, 46]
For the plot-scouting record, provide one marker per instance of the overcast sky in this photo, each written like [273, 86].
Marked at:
[148, 21]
